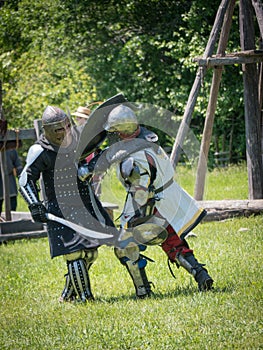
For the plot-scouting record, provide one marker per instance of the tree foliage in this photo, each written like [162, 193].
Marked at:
[69, 53]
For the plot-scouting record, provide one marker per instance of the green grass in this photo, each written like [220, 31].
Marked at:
[176, 317]
[221, 183]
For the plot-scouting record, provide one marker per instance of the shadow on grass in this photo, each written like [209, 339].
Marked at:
[190, 290]
[187, 291]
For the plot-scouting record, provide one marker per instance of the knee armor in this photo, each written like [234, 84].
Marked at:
[137, 272]
[90, 256]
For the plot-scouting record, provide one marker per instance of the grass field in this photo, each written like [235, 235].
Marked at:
[176, 317]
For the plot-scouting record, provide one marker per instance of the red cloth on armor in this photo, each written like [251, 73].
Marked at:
[173, 244]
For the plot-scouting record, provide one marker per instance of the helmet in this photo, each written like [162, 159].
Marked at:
[56, 125]
[122, 120]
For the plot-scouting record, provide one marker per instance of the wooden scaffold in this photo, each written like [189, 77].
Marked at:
[252, 67]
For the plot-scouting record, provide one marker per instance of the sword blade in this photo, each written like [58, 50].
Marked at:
[83, 231]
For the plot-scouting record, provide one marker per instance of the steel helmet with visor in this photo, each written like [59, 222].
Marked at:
[56, 125]
[122, 120]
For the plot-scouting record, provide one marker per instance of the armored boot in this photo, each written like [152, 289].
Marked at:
[189, 262]
[139, 278]
[137, 272]
[79, 277]
[68, 293]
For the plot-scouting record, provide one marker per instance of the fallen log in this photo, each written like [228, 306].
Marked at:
[226, 209]
[22, 235]
[216, 211]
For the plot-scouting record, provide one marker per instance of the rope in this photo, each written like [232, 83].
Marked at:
[170, 268]
[17, 139]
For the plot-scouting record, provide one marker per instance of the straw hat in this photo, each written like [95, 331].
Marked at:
[82, 112]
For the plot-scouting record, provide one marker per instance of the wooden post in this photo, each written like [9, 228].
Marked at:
[5, 178]
[252, 111]
[258, 7]
[5, 184]
[184, 126]
[211, 108]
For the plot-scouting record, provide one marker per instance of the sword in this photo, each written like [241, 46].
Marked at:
[83, 231]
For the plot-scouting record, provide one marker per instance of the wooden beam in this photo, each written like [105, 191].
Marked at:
[211, 108]
[227, 209]
[22, 235]
[245, 57]
[21, 134]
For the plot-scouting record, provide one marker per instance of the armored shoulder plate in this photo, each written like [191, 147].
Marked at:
[33, 154]
[148, 135]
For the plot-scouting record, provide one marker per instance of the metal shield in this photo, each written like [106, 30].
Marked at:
[93, 133]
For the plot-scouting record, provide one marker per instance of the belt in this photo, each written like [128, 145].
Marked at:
[162, 188]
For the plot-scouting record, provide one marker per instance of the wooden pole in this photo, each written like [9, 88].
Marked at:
[211, 108]
[5, 178]
[252, 110]
[258, 7]
[184, 126]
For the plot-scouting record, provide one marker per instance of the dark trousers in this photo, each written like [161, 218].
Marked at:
[13, 204]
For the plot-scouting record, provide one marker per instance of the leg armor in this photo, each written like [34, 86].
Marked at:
[78, 276]
[68, 293]
[137, 273]
[179, 252]
[80, 279]
[189, 262]
[90, 256]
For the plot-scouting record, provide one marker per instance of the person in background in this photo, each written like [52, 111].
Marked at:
[14, 168]
[81, 116]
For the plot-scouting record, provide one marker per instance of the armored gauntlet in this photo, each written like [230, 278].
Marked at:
[38, 212]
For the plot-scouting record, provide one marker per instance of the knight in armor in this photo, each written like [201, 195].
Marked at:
[51, 159]
[153, 197]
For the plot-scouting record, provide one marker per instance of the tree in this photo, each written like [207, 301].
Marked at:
[71, 52]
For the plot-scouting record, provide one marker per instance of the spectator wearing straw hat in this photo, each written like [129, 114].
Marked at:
[82, 114]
